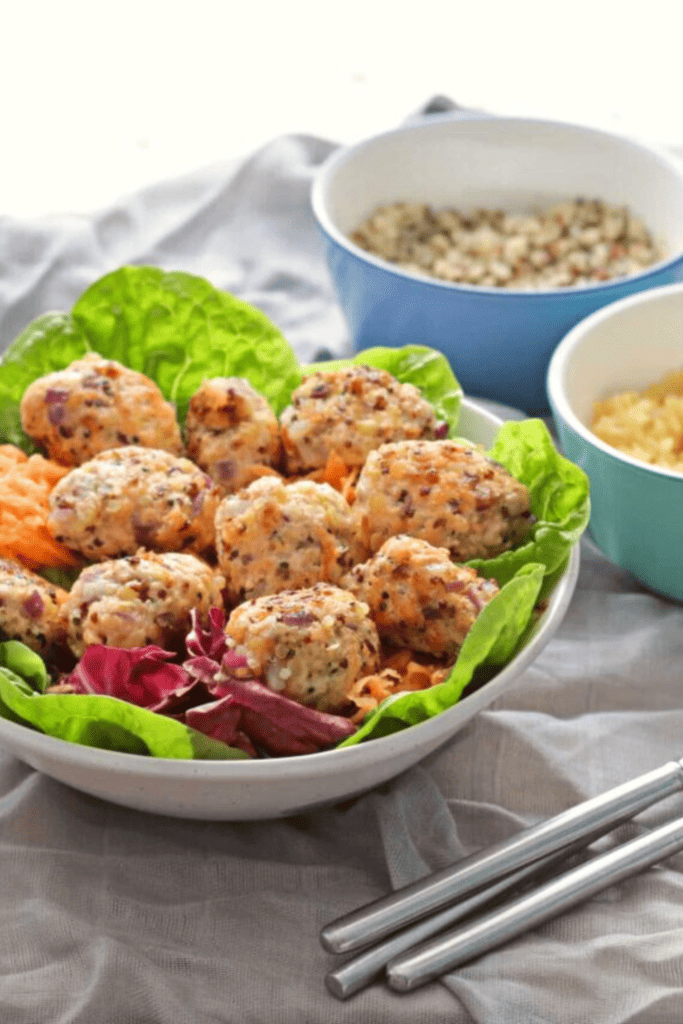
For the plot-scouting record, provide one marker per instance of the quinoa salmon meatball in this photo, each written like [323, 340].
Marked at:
[274, 536]
[31, 609]
[231, 431]
[96, 404]
[418, 597]
[446, 492]
[133, 497]
[143, 599]
[351, 411]
[310, 645]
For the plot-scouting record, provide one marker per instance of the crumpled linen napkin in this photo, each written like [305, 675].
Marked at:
[112, 916]
[245, 226]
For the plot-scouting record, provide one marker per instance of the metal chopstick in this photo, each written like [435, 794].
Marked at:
[459, 946]
[376, 920]
[355, 974]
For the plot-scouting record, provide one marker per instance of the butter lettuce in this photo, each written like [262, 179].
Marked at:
[559, 494]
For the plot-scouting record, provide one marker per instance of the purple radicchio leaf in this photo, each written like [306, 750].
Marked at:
[276, 724]
[203, 669]
[220, 719]
[139, 675]
[213, 674]
[210, 643]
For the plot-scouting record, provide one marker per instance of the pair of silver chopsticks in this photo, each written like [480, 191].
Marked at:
[411, 927]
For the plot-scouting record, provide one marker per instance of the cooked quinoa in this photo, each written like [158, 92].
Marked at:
[574, 243]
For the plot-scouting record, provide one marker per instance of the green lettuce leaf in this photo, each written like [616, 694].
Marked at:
[94, 720]
[174, 327]
[25, 665]
[492, 640]
[560, 499]
[427, 369]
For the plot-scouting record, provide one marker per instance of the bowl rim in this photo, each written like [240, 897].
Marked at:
[321, 763]
[345, 154]
[563, 354]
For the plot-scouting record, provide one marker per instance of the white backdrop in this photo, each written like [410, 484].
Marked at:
[96, 104]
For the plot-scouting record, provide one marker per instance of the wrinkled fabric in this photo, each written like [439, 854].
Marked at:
[113, 916]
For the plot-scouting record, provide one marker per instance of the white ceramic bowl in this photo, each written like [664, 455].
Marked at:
[498, 340]
[636, 517]
[239, 790]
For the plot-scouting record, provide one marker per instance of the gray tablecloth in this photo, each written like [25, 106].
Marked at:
[112, 916]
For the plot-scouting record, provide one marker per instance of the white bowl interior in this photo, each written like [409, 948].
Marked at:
[626, 346]
[513, 164]
[240, 790]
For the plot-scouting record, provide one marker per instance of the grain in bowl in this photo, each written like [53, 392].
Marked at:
[574, 243]
[646, 425]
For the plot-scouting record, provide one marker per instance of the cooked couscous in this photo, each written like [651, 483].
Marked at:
[646, 426]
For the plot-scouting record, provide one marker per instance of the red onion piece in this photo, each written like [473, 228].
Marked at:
[143, 532]
[33, 605]
[224, 470]
[298, 619]
[197, 503]
[54, 400]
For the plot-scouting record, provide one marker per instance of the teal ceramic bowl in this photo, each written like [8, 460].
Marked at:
[636, 509]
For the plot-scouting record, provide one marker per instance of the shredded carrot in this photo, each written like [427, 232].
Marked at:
[399, 660]
[259, 469]
[337, 474]
[335, 471]
[25, 484]
[400, 672]
[10, 455]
